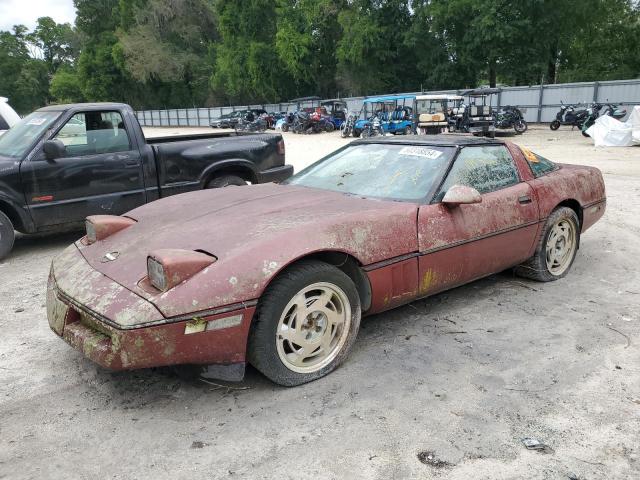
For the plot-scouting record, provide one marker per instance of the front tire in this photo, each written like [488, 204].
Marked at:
[7, 235]
[554, 125]
[305, 325]
[556, 249]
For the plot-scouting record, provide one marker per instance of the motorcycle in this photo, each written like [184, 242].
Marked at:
[569, 115]
[593, 112]
[614, 111]
[597, 110]
[373, 128]
[251, 123]
[346, 129]
[511, 117]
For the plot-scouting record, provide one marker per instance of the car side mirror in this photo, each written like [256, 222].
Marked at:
[54, 149]
[461, 195]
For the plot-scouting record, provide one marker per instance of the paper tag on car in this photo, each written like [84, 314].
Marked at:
[36, 121]
[415, 151]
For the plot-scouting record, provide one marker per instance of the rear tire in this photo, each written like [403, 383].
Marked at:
[226, 181]
[7, 235]
[556, 249]
[305, 325]
[408, 130]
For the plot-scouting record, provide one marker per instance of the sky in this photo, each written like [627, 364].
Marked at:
[27, 12]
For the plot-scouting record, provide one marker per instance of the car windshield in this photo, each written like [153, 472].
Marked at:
[395, 172]
[16, 141]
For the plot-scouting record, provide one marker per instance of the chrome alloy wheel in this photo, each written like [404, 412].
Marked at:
[561, 246]
[313, 327]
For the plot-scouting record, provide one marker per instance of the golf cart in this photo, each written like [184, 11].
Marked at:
[477, 117]
[395, 113]
[433, 112]
[337, 111]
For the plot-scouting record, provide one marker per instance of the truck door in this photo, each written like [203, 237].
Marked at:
[100, 173]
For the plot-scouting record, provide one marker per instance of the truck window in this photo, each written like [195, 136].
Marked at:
[91, 133]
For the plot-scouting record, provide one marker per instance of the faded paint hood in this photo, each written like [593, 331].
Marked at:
[254, 232]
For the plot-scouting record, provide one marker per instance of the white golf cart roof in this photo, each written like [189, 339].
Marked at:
[438, 97]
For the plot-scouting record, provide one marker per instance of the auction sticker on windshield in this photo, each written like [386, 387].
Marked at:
[37, 121]
[416, 151]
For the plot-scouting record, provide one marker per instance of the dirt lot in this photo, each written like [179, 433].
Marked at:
[462, 376]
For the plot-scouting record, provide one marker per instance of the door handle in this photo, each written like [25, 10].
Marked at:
[131, 162]
[524, 199]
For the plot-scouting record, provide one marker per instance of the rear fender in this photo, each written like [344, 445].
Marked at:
[233, 165]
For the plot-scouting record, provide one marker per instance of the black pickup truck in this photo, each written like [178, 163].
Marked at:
[62, 163]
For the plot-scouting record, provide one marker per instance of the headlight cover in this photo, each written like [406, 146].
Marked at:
[99, 227]
[169, 267]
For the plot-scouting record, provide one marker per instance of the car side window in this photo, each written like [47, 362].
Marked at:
[539, 165]
[91, 133]
[485, 168]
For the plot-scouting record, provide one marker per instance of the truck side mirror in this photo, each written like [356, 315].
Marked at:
[54, 149]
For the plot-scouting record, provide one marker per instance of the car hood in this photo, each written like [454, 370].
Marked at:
[254, 232]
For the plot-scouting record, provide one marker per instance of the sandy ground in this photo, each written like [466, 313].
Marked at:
[462, 376]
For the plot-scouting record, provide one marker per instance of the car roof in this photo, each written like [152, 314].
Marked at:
[83, 106]
[440, 140]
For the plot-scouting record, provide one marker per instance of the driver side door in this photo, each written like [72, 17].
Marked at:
[461, 243]
[99, 173]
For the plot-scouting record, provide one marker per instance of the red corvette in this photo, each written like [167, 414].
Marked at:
[280, 275]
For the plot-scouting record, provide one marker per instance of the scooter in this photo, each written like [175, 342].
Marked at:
[597, 110]
[569, 115]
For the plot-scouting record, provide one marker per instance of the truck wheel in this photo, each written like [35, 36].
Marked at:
[225, 181]
[7, 235]
[305, 324]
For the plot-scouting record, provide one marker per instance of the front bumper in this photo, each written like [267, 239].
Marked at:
[276, 174]
[213, 338]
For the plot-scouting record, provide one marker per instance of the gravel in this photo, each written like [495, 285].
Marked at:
[445, 387]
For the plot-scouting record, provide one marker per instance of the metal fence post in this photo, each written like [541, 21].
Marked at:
[596, 87]
[540, 102]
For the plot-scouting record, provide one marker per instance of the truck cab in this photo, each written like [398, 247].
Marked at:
[63, 163]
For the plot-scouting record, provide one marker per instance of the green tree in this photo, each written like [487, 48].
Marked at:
[22, 78]
[165, 46]
[66, 87]
[247, 67]
[56, 42]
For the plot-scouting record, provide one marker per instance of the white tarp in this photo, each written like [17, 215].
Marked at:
[609, 132]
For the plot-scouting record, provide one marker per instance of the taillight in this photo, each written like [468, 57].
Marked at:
[99, 227]
[167, 268]
[281, 147]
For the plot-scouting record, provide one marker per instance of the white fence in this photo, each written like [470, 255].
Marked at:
[539, 103]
